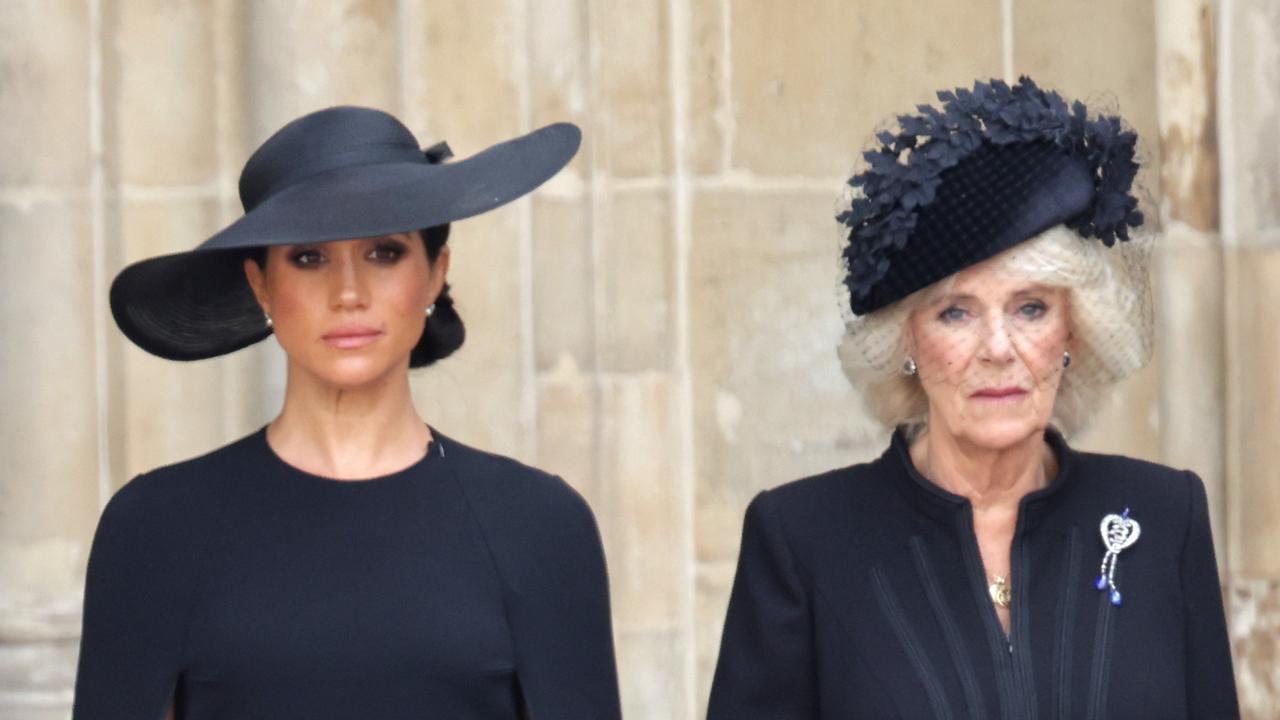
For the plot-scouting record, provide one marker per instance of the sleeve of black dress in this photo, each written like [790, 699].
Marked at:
[559, 605]
[135, 601]
[1211, 690]
[765, 669]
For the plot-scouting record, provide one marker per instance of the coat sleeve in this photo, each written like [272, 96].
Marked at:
[1211, 690]
[766, 667]
[548, 549]
[137, 592]
[563, 629]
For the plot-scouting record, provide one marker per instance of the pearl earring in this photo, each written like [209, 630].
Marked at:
[270, 322]
[909, 366]
[431, 309]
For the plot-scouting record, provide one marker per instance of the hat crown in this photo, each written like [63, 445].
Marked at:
[993, 166]
[325, 140]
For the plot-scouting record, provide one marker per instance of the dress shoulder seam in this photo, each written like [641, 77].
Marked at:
[475, 515]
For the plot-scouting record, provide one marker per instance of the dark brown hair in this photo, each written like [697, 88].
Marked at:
[444, 332]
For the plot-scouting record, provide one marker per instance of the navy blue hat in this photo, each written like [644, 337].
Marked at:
[995, 166]
[335, 174]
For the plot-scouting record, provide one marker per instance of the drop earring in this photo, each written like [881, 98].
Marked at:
[431, 309]
[909, 366]
[1066, 359]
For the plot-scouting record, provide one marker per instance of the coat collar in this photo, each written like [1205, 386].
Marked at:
[945, 506]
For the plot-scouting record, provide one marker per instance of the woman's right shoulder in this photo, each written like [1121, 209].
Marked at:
[822, 506]
[175, 491]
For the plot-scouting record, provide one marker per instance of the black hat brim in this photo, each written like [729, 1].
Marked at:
[198, 304]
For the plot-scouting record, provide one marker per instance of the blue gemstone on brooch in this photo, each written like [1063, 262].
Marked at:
[1118, 533]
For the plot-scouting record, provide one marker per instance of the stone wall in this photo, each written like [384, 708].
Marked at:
[658, 323]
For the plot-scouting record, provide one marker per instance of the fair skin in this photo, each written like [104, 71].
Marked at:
[989, 355]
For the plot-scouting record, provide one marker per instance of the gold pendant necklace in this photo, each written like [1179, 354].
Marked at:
[1000, 592]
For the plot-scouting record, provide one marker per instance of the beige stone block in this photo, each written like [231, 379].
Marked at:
[707, 74]
[42, 589]
[158, 227]
[770, 402]
[641, 515]
[1254, 621]
[635, 315]
[160, 71]
[1252, 181]
[173, 411]
[1128, 419]
[42, 707]
[1191, 341]
[1253, 485]
[37, 678]
[631, 93]
[307, 55]
[1187, 96]
[50, 424]
[813, 81]
[483, 394]
[715, 581]
[1109, 64]
[465, 72]
[49, 432]
[252, 382]
[568, 438]
[40, 596]
[560, 72]
[233, 120]
[651, 674]
[40, 668]
[44, 60]
[563, 283]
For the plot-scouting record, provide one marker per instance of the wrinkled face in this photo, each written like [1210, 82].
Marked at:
[989, 351]
[349, 311]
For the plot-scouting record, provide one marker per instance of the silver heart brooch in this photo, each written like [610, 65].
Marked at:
[1118, 532]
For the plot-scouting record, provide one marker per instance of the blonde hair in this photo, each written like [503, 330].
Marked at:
[1110, 319]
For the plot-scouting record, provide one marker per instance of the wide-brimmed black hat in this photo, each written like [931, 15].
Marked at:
[993, 167]
[336, 174]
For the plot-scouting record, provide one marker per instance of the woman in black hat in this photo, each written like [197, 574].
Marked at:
[347, 560]
[981, 567]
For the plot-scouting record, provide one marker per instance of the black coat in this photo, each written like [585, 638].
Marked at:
[466, 586]
[861, 593]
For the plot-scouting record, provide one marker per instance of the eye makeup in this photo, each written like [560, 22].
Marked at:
[388, 251]
[305, 256]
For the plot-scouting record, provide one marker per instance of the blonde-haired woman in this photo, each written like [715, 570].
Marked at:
[981, 567]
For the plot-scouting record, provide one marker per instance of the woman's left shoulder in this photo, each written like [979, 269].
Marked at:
[539, 530]
[506, 485]
[1131, 480]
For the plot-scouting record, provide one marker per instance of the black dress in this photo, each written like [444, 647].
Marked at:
[860, 593]
[466, 586]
